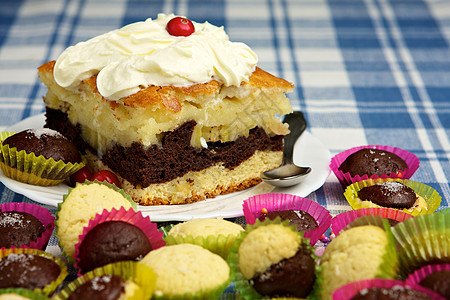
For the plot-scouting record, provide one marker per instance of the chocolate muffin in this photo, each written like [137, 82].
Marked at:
[372, 162]
[19, 228]
[110, 242]
[105, 287]
[438, 282]
[301, 219]
[395, 293]
[291, 277]
[389, 194]
[46, 142]
[27, 271]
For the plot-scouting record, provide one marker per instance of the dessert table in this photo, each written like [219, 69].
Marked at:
[372, 72]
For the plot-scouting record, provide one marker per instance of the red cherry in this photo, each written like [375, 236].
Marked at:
[81, 176]
[179, 26]
[105, 175]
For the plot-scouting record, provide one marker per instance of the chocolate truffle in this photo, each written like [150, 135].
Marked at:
[19, 228]
[46, 142]
[438, 282]
[291, 277]
[395, 293]
[301, 219]
[112, 241]
[372, 162]
[389, 194]
[105, 287]
[27, 271]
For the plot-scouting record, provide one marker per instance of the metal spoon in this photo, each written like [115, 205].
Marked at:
[288, 174]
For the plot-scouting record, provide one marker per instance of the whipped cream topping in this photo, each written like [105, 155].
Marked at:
[144, 53]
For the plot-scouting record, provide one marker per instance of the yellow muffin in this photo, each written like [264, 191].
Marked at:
[355, 254]
[80, 205]
[188, 270]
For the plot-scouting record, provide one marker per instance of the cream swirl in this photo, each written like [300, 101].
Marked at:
[144, 53]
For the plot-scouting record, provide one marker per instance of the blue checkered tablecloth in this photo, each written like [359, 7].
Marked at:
[365, 71]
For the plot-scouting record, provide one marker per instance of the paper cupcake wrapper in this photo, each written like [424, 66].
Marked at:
[24, 293]
[430, 195]
[138, 273]
[70, 258]
[345, 178]
[37, 170]
[350, 290]
[150, 229]
[50, 288]
[42, 214]
[418, 275]
[242, 285]
[274, 202]
[341, 221]
[390, 262]
[218, 244]
[422, 240]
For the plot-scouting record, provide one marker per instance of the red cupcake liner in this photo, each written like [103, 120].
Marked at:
[349, 290]
[42, 214]
[277, 201]
[341, 221]
[412, 161]
[131, 216]
[417, 276]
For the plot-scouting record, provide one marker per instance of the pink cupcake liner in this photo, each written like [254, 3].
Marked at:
[349, 290]
[42, 214]
[412, 161]
[131, 216]
[277, 201]
[417, 276]
[341, 221]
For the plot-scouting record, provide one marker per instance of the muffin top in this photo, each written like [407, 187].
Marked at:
[372, 162]
[107, 287]
[389, 194]
[299, 218]
[19, 228]
[394, 293]
[186, 269]
[46, 142]
[205, 227]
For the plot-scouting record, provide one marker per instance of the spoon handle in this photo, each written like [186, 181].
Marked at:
[297, 125]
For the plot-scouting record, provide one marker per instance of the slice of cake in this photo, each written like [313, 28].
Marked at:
[177, 118]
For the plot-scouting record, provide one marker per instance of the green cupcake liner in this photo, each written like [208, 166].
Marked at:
[422, 240]
[70, 258]
[212, 294]
[430, 195]
[24, 293]
[50, 288]
[37, 170]
[243, 286]
[138, 273]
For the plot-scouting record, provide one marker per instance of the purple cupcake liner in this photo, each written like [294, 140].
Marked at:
[39, 212]
[349, 290]
[150, 229]
[417, 276]
[341, 221]
[412, 161]
[277, 201]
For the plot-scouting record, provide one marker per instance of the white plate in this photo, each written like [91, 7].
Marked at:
[309, 151]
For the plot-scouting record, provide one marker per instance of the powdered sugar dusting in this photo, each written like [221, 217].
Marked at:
[38, 132]
[98, 283]
[391, 187]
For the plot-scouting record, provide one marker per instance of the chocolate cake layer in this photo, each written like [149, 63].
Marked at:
[174, 157]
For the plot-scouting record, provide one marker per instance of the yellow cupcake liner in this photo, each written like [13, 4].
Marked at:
[430, 195]
[24, 293]
[50, 288]
[243, 286]
[37, 170]
[135, 272]
[70, 258]
[389, 266]
[218, 244]
[422, 240]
